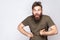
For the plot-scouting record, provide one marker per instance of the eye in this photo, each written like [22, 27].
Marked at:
[39, 9]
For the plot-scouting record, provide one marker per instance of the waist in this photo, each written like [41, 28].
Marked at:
[37, 37]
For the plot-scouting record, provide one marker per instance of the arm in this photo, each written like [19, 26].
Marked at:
[52, 31]
[20, 28]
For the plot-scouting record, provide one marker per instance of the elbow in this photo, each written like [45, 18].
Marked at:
[56, 32]
[18, 28]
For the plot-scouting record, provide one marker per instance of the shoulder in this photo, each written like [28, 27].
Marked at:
[46, 16]
[28, 17]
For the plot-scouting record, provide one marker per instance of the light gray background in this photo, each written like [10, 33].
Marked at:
[13, 12]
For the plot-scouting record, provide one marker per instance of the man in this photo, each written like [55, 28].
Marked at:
[40, 25]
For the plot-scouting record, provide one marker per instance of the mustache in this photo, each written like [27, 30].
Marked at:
[37, 14]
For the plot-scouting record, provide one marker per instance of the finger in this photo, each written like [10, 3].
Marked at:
[43, 29]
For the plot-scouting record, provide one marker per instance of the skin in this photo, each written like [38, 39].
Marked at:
[21, 29]
[37, 10]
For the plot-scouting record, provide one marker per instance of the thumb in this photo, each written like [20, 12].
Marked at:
[43, 29]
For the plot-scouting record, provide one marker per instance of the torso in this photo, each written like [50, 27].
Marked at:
[35, 27]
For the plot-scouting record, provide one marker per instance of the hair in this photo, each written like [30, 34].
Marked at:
[36, 4]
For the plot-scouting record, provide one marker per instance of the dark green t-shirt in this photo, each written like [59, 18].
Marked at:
[35, 26]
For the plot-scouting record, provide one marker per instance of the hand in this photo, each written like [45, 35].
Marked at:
[42, 32]
[30, 35]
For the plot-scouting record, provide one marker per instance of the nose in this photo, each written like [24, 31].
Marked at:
[36, 11]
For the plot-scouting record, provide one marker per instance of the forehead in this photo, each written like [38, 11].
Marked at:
[37, 7]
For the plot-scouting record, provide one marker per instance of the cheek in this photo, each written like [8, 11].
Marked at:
[39, 12]
[34, 12]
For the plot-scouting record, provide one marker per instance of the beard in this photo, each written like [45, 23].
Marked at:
[37, 17]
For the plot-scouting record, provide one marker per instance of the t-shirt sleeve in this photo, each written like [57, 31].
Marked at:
[50, 22]
[25, 22]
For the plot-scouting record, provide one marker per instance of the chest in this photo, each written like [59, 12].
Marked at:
[42, 24]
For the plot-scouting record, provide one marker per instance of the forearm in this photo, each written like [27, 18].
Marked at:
[23, 31]
[49, 33]
[52, 31]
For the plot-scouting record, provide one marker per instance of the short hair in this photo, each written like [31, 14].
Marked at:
[36, 4]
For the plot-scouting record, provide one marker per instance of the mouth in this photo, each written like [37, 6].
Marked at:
[37, 17]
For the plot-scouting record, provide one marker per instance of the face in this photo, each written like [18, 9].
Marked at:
[37, 11]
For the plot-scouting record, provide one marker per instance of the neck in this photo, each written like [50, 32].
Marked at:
[37, 19]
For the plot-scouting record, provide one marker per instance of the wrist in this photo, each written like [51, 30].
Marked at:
[29, 35]
[44, 33]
